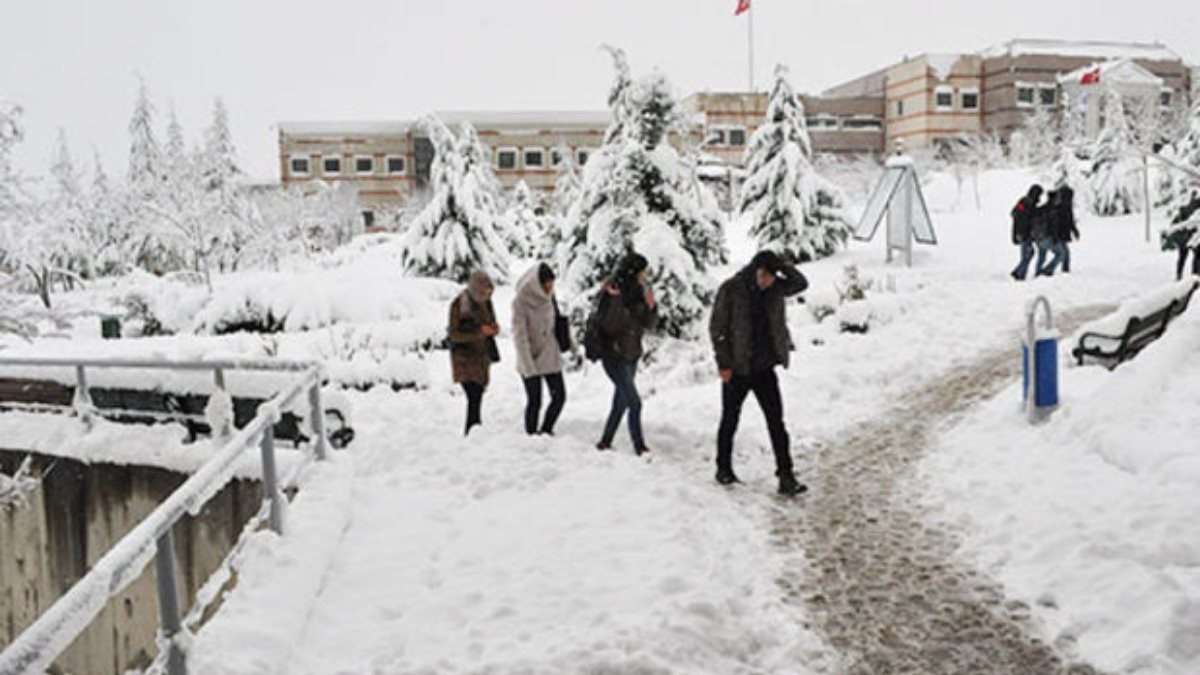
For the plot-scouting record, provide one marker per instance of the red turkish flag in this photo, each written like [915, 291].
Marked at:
[742, 8]
[1090, 77]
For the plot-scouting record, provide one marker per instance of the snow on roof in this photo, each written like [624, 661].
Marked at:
[1122, 71]
[1093, 48]
[942, 64]
[345, 127]
[539, 120]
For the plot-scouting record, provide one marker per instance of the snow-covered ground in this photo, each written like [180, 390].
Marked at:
[418, 551]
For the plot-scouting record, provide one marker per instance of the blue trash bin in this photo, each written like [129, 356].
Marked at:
[1046, 351]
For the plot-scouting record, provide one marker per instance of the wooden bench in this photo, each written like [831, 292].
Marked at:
[153, 407]
[1113, 350]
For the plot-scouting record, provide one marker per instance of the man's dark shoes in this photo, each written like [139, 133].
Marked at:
[727, 477]
[790, 487]
[643, 450]
[602, 446]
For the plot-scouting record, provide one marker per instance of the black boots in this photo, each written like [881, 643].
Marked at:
[790, 487]
[727, 477]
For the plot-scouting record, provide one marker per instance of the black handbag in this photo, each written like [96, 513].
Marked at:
[493, 350]
[562, 329]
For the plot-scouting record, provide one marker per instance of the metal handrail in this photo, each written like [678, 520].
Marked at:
[35, 648]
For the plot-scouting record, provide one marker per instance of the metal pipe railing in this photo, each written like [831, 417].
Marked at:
[34, 650]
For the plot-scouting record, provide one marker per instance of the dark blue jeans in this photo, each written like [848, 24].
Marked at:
[1022, 267]
[1062, 255]
[625, 398]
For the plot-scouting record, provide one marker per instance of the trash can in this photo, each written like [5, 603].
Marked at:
[1046, 366]
[1039, 362]
[110, 327]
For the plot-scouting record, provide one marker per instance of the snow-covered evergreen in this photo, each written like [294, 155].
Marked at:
[523, 227]
[457, 231]
[1114, 179]
[792, 209]
[1042, 138]
[638, 193]
[1184, 152]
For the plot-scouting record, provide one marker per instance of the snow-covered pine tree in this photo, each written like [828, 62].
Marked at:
[1041, 136]
[145, 159]
[639, 194]
[105, 233]
[219, 175]
[791, 208]
[522, 225]
[1114, 180]
[1184, 152]
[455, 234]
[66, 212]
[566, 193]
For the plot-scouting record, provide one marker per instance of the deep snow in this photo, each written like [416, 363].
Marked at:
[417, 551]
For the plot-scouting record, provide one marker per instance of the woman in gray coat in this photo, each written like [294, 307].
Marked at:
[539, 355]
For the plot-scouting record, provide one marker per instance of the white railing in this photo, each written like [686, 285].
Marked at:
[36, 648]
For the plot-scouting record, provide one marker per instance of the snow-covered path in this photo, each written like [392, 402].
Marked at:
[886, 587]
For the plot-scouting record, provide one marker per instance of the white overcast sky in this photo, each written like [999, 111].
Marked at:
[74, 63]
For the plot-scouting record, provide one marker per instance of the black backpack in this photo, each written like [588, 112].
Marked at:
[593, 338]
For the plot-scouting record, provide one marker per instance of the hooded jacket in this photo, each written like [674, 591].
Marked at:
[469, 357]
[533, 328]
[732, 324]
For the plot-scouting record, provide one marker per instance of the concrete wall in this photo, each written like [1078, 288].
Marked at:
[71, 520]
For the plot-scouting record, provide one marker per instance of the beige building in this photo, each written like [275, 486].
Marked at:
[388, 162]
[933, 99]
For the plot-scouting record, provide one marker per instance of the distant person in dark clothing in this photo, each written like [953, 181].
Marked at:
[627, 308]
[1060, 216]
[750, 337]
[1182, 235]
[1023, 215]
[472, 333]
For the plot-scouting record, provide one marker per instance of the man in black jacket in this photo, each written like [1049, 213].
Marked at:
[750, 337]
[1023, 216]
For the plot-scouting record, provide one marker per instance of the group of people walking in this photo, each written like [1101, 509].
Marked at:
[748, 331]
[1047, 227]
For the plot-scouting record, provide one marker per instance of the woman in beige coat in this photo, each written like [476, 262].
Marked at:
[539, 355]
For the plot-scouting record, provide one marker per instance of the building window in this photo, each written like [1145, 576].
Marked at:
[556, 157]
[900, 108]
[1024, 95]
[368, 219]
[1164, 98]
[737, 137]
[506, 159]
[395, 165]
[364, 165]
[970, 99]
[299, 166]
[582, 155]
[535, 158]
[1047, 95]
[716, 136]
[331, 166]
[943, 98]
[863, 122]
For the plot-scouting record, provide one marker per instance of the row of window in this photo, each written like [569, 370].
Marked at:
[364, 165]
[1029, 95]
[827, 122]
[943, 98]
[512, 159]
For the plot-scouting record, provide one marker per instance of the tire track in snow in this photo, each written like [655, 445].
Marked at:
[881, 584]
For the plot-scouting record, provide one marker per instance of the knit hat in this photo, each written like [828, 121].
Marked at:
[478, 284]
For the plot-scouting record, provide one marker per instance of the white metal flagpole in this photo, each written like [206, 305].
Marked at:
[750, 41]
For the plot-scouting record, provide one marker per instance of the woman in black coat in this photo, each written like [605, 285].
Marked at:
[627, 308]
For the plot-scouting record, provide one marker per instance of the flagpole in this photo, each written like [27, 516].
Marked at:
[750, 42]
